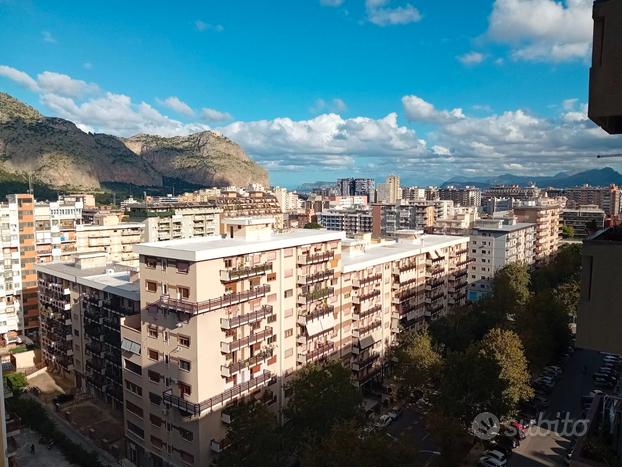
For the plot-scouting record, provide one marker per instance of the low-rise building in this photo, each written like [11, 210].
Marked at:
[350, 220]
[584, 220]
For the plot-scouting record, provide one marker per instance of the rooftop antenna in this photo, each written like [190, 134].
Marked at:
[603, 156]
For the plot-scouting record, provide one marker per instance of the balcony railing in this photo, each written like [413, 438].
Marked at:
[228, 347]
[316, 277]
[466, 261]
[433, 298]
[360, 314]
[366, 280]
[229, 275]
[363, 363]
[194, 308]
[315, 314]
[357, 299]
[364, 330]
[433, 285]
[313, 295]
[228, 370]
[248, 318]
[212, 403]
[320, 351]
[314, 258]
[458, 275]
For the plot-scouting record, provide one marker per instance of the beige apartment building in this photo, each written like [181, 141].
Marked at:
[226, 318]
[545, 213]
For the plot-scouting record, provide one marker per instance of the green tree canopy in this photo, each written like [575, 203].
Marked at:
[417, 363]
[567, 231]
[312, 225]
[510, 290]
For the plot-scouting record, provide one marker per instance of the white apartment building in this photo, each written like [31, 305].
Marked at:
[495, 243]
[288, 201]
[225, 318]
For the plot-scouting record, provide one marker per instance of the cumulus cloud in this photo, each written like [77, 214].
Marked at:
[471, 58]
[64, 85]
[335, 105]
[544, 30]
[213, 115]
[201, 25]
[380, 14]
[20, 77]
[417, 109]
[177, 105]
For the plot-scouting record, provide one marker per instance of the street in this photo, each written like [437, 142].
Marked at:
[411, 423]
[548, 448]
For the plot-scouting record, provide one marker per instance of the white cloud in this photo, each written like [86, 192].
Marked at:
[380, 14]
[64, 85]
[48, 37]
[544, 30]
[20, 77]
[176, 104]
[331, 3]
[213, 115]
[335, 105]
[471, 58]
[201, 25]
[417, 109]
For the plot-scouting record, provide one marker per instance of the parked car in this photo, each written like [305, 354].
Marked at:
[495, 454]
[491, 462]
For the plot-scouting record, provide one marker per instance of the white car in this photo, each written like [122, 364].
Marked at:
[486, 461]
[384, 421]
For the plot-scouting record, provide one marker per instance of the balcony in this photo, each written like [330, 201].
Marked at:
[315, 258]
[316, 277]
[465, 262]
[358, 314]
[458, 275]
[403, 268]
[315, 314]
[358, 299]
[364, 330]
[433, 298]
[228, 347]
[248, 318]
[230, 275]
[314, 295]
[406, 295]
[228, 370]
[320, 351]
[194, 308]
[433, 285]
[192, 408]
[365, 362]
[358, 283]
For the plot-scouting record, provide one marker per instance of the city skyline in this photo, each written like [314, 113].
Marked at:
[374, 92]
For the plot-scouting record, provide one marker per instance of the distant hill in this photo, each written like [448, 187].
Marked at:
[594, 177]
[56, 153]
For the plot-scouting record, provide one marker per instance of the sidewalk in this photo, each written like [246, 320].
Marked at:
[75, 435]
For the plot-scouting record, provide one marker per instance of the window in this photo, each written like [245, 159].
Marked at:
[151, 286]
[133, 388]
[153, 332]
[150, 262]
[155, 420]
[133, 408]
[184, 292]
[133, 367]
[186, 434]
[288, 293]
[182, 267]
[271, 277]
[157, 442]
[76, 332]
[184, 389]
[154, 354]
[154, 376]
[289, 332]
[155, 399]
[135, 430]
[289, 353]
[184, 341]
[184, 365]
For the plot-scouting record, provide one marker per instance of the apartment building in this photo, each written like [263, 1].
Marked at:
[413, 193]
[107, 234]
[171, 221]
[494, 244]
[350, 220]
[228, 318]
[606, 198]
[387, 219]
[459, 223]
[55, 228]
[356, 187]
[584, 220]
[252, 203]
[522, 193]
[545, 213]
[81, 305]
[389, 191]
[467, 196]
[288, 201]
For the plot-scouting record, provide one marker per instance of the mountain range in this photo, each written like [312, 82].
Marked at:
[594, 177]
[56, 153]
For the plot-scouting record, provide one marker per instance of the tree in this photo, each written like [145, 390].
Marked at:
[505, 348]
[567, 231]
[450, 436]
[510, 289]
[252, 437]
[544, 329]
[417, 363]
[565, 266]
[322, 395]
[312, 225]
[348, 446]
[568, 294]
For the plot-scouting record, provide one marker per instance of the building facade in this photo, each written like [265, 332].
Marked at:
[467, 196]
[545, 213]
[584, 220]
[350, 220]
[387, 219]
[236, 317]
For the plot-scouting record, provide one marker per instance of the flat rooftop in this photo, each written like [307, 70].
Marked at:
[378, 254]
[504, 227]
[206, 248]
[112, 278]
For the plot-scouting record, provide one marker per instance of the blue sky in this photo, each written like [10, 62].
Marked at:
[319, 89]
